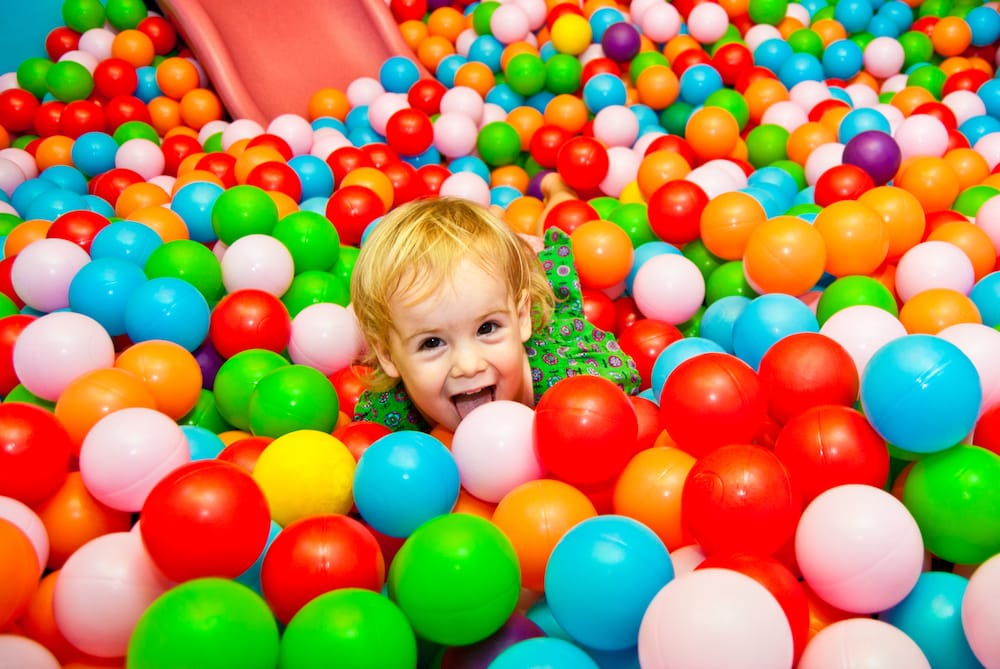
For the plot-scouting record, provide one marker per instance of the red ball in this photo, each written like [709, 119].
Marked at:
[626, 313]
[345, 159]
[6, 285]
[832, 445]
[175, 149]
[351, 209]
[599, 309]
[644, 340]
[406, 184]
[545, 144]
[247, 319]
[823, 106]
[674, 144]
[380, 154]
[82, 116]
[244, 452]
[17, 110]
[276, 176]
[221, 164]
[409, 132]
[987, 431]
[109, 186]
[426, 95]
[674, 211]
[359, 435]
[586, 430]
[48, 118]
[842, 182]
[114, 77]
[349, 383]
[318, 554]
[729, 60]
[408, 10]
[79, 226]
[648, 415]
[583, 163]
[205, 518]
[804, 370]
[597, 66]
[161, 32]
[568, 215]
[61, 41]
[272, 142]
[940, 111]
[711, 400]
[740, 498]
[124, 108]
[10, 328]
[35, 452]
[432, 176]
[687, 58]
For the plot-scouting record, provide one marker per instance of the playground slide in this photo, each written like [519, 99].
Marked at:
[266, 58]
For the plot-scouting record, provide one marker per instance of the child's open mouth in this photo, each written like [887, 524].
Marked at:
[466, 402]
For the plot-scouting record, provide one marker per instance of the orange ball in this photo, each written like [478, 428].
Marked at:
[54, 150]
[23, 234]
[784, 254]
[526, 121]
[761, 94]
[93, 395]
[657, 86]
[821, 613]
[413, 32]
[855, 238]
[164, 114]
[535, 516]
[331, 102]
[4, 138]
[951, 36]
[902, 214]
[829, 30]
[510, 175]
[807, 138]
[176, 76]
[38, 621]
[134, 46]
[169, 372]
[910, 98]
[200, 106]
[566, 111]
[72, 517]
[675, 46]
[973, 241]
[139, 196]
[659, 167]
[515, 49]
[20, 569]
[163, 221]
[432, 50]
[477, 76]
[931, 180]
[603, 253]
[472, 505]
[251, 157]
[446, 22]
[970, 166]
[196, 175]
[373, 179]
[735, 8]
[523, 215]
[727, 221]
[649, 490]
[284, 202]
[932, 310]
[712, 132]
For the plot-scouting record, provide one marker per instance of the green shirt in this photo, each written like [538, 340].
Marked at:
[568, 346]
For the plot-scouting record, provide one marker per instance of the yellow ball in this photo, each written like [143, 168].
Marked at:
[571, 33]
[305, 473]
[631, 194]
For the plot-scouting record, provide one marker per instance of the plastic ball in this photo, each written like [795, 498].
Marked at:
[243, 210]
[456, 578]
[859, 548]
[97, 393]
[303, 473]
[644, 340]
[20, 563]
[170, 309]
[784, 254]
[602, 253]
[36, 458]
[169, 371]
[921, 393]
[668, 288]
[208, 622]
[249, 318]
[318, 554]
[127, 240]
[259, 262]
[552, 650]
[582, 162]
[403, 480]
[43, 270]
[933, 264]
[236, 379]
[292, 398]
[978, 615]
[863, 640]
[766, 320]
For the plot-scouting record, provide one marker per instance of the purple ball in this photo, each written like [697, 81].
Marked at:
[621, 42]
[437, 4]
[875, 152]
[479, 655]
[209, 360]
[535, 184]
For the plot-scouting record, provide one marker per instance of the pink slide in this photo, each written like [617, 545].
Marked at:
[267, 57]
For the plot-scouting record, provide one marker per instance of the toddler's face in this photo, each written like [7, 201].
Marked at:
[460, 346]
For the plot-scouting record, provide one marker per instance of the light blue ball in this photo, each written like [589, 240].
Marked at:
[800, 67]
[505, 97]
[167, 308]
[99, 205]
[66, 178]
[193, 202]
[861, 120]
[718, 320]
[771, 53]
[921, 393]
[488, 50]
[26, 192]
[203, 443]
[977, 127]
[447, 68]
[101, 289]
[854, 15]
[899, 13]
[543, 653]
[127, 240]
[604, 90]
[986, 296]
[251, 577]
[984, 22]
[314, 174]
[778, 182]
[767, 319]
[55, 202]
[842, 59]
[403, 480]
[472, 164]
[397, 74]
[93, 153]
[147, 89]
[503, 195]
[698, 82]
[674, 354]
[600, 578]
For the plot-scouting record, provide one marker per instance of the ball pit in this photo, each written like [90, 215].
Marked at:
[786, 212]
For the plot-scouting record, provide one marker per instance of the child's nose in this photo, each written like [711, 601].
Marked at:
[467, 361]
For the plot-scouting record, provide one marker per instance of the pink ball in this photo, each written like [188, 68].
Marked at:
[714, 619]
[325, 336]
[211, 128]
[258, 261]
[638, 7]
[24, 653]
[464, 41]
[467, 185]
[981, 344]
[686, 559]
[989, 148]
[964, 105]
[890, 112]
[859, 548]
[616, 125]
[821, 159]
[807, 94]
[623, 166]
[862, 95]
[862, 329]
[921, 135]
[127, 452]
[463, 100]
[535, 10]
[97, 41]
[102, 590]
[295, 130]
[668, 288]
[712, 179]
[381, 109]
[88, 60]
[241, 128]
[786, 114]
[988, 218]
[862, 642]
[22, 159]
[494, 448]
[509, 23]
[980, 614]
[326, 143]
[42, 271]
[933, 264]
[883, 57]
[759, 34]
[707, 22]
[363, 90]
[455, 134]
[661, 22]
[22, 515]
[492, 112]
[11, 176]
[142, 156]
[57, 348]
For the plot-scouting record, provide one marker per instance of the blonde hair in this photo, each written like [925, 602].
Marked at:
[418, 245]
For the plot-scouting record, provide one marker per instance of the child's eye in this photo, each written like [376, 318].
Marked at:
[488, 328]
[430, 343]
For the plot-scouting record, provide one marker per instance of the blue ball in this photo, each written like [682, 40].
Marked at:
[931, 615]
[99, 205]
[397, 74]
[800, 67]
[27, 192]
[644, 252]
[357, 118]
[989, 93]
[101, 289]
[854, 15]
[674, 354]
[488, 50]
[842, 59]
[771, 53]
[600, 578]
[472, 164]
[899, 13]
[861, 120]
[718, 320]
[127, 240]
[203, 443]
[52, 203]
[365, 135]
[540, 100]
[314, 174]
[505, 97]
[504, 195]
[193, 202]
[251, 577]
[329, 122]
[167, 308]
[543, 652]
[767, 199]
[147, 89]
[604, 90]
[447, 67]
[602, 19]
[986, 296]
[984, 22]
[921, 393]
[778, 182]
[429, 156]
[977, 127]
[93, 153]
[403, 480]
[698, 82]
[767, 319]
[883, 26]
[66, 177]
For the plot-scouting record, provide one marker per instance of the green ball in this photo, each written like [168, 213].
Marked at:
[804, 208]
[22, 141]
[862, 39]
[206, 414]
[929, 77]
[938, 8]
[644, 59]
[770, 12]
[83, 15]
[675, 117]
[633, 218]
[767, 144]
[126, 14]
[732, 34]
[205, 623]
[7, 306]
[917, 48]
[213, 143]
[498, 143]
[971, 199]
[235, 382]
[732, 102]
[311, 239]
[68, 80]
[31, 74]
[849, 291]
[290, 398]
[793, 168]
[360, 628]
[481, 17]
[805, 40]
[344, 266]
[135, 130]
[526, 74]
[706, 261]
[954, 496]
[8, 222]
[21, 394]
[692, 326]
[456, 578]
[313, 287]
[563, 74]
[728, 279]
[243, 210]
[188, 260]
[604, 205]
[827, 12]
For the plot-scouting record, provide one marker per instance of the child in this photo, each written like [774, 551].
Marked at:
[458, 311]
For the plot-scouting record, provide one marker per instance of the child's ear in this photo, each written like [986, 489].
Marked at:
[385, 362]
[524, 316]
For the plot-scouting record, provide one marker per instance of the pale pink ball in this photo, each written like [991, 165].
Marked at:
[26, 520]
[638, 7]
[988, 147]
[707, 22]
[668, 288]
[97, 41]
[85, 58]
[8, 80]
[22, 159]
[241, 128]
[616, 125]
[142, 156]
[980, 613]
[799, 13]
[883, 57]
[786, 114]
[326, 143]
[686, 559]
[862, 330]
[660, 22]
[933, 264]
[894, 84]
[862, 642]
[463, 43]
[892, 113]
[258, 261]
[325, 336]
[11, 176]
[861, 95]
[921, 135]
[363, 90]
[463, 100]
[42, 272]
[981, 344]
[211, 128]
[509, 23]
[455, 134]
[759, 34]
[988, 218]
[821, 159]
[467, 185]
[807, 94]
[592, 52]
[964, 105]
[623, 166]
[492, 113]
[712, 179]
[26, 653]
[381, 109]
[295, 130]
[535, 10]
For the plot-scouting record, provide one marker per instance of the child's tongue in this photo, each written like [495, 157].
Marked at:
[466, 402]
